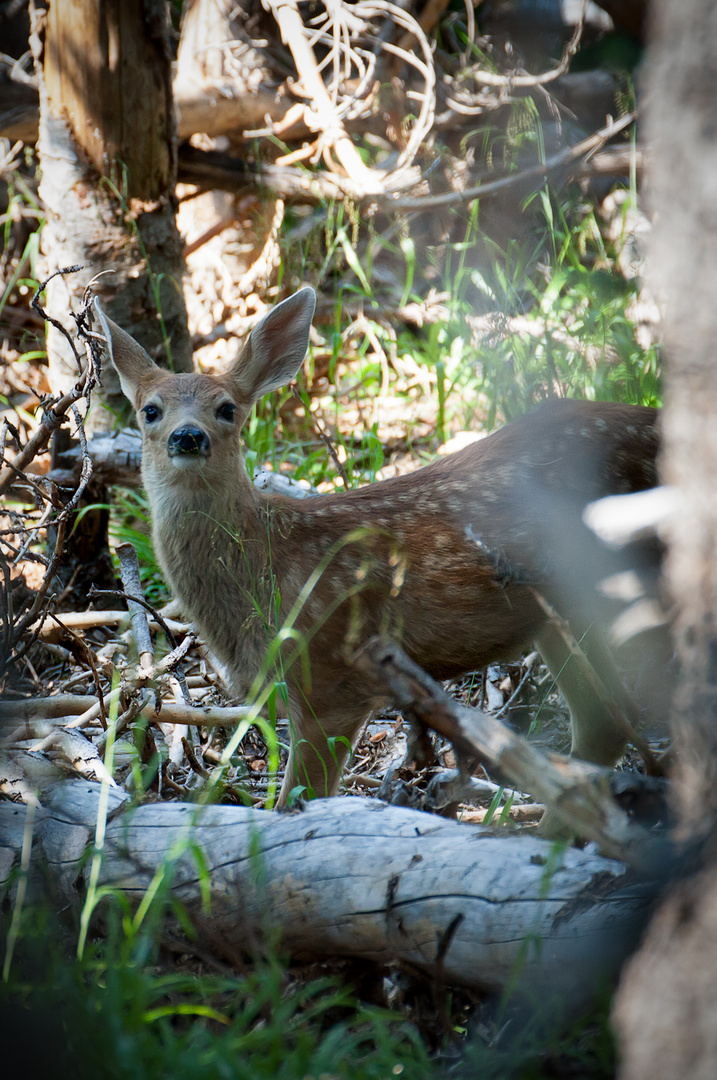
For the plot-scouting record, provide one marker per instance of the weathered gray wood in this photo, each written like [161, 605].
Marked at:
[575, 791]
[357, 877]
[117, 457]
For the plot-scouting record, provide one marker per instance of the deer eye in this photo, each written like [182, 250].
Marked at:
[226, 411]
[152, 413]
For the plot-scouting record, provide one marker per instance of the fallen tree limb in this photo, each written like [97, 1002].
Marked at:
[48, 707]
[211, 110]
[87, 620]
[577, 793]
[352, 877]
[116, 459]
[70, 707]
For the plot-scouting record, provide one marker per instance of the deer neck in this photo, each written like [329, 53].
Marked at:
[211, 541]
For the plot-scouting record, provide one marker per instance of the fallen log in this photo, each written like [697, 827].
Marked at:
[117, 459]
[212, 110]
[351, 877]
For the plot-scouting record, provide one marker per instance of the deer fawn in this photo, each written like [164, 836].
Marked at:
[441, 559]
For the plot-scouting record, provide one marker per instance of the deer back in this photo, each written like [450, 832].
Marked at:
[441, 558]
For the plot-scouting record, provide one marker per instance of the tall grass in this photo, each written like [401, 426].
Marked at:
[128, 1011]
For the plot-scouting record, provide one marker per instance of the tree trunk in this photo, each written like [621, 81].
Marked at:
[666, 1010]
[108, 160]
[107, 152]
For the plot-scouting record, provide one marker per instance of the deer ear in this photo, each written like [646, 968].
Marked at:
[128, 357]
[276, 347]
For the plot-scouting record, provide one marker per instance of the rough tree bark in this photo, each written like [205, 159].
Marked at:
[108, 159]
[107, 152]
[666, 1009]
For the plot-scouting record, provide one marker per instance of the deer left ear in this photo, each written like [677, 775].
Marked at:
[128, 357]
[276, 347]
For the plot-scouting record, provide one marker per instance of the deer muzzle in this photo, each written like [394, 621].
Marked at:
[188, 441]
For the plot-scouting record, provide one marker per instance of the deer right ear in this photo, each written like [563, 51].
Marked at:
[128, 357]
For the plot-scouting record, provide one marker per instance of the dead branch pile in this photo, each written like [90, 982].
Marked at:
[370, 70]
[22, 610]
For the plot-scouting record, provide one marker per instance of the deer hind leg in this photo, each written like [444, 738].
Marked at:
[319, 751]
[601, 711]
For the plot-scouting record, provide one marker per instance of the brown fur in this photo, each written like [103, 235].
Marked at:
[440, 559]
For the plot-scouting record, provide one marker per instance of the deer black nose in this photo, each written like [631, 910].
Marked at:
[188, 440]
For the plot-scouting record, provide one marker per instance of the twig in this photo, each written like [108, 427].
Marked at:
[338, 27]
[54, 412]
[7, 616]
[29, 618]
[86, 473]
[119, 594]
[22, 551]
[84, 620]
[171, 662]
[193, 761]
[90, 715]
[92, 664]
[427, 20]
[327, 441]
[325, 118]
[136, 707]
[507, 705]
[54, 416]
[491, 78]
[129, 571]
[352, 779]
[540, 169]
[172, 713]
[424, 121]
[196, 715]
[35, 303]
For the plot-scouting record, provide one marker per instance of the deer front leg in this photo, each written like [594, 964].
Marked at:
[319, 751]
